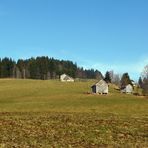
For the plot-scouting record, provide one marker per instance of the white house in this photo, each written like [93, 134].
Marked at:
[128, 89]
[100, 87]
[66, 78]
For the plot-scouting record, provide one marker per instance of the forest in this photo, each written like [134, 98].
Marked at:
[44, 68]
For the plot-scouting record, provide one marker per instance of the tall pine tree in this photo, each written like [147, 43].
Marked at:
[107, 77]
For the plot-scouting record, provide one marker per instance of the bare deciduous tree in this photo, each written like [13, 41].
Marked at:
[145, 80]
[145, 72]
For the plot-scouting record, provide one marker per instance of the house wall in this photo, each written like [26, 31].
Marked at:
[70, 80]
[100, 87]
[62, 77]
[129, 89]
[105, 90]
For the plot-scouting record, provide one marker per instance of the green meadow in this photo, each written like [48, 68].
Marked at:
[36, 113]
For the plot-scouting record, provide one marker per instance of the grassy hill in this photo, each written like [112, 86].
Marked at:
[38, 113]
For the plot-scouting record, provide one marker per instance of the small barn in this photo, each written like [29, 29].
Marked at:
[66, 78]
[100, 87]
[128, 89]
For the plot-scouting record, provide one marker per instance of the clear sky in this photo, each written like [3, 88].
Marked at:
[100, 34]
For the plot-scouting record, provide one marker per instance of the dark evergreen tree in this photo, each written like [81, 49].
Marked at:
[7, 66]
[23, 68]
[42, 64]
[107, 77]
[33, 69]
[140, 82]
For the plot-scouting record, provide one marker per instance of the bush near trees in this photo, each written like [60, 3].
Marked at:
[44, 68]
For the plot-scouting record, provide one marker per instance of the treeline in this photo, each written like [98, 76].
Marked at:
[44, 68]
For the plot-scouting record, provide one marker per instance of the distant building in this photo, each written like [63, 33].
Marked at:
[100, 87]
[128, 89]
[66, 78]
[133, 83]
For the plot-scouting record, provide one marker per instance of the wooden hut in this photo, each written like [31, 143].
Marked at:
[66, 78]
[100, 87]
[128, 89]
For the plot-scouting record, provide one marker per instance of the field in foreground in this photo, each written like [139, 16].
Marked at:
[54, 114]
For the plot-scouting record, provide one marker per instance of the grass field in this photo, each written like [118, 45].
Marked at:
[35, 113]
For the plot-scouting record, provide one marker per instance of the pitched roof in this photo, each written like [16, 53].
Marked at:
[100, 83]
[66, 77]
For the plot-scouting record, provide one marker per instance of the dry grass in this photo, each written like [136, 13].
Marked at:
[54, 114]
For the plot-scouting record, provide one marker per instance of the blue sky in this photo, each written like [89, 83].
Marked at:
[100, 34]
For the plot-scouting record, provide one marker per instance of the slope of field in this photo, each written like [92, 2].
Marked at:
[32, 95]
[35, 113]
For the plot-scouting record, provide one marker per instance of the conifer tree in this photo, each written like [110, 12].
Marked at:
[140, 82]
[107, 77]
